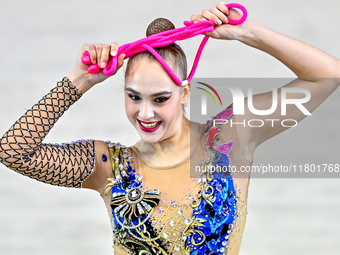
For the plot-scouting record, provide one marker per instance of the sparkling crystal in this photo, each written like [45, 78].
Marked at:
[131, 176]
[160, 209]
[213, 133]
[140, 209]
[179, 211]
[224, 148]
[104, 158]
[174, 204]
[225, 211]
[172, 223]
[225, 114]
[146, 206]
[198, 211]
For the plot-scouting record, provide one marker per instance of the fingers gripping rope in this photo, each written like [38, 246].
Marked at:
[162, 39]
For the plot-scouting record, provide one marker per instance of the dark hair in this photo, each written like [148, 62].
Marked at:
[172, 54]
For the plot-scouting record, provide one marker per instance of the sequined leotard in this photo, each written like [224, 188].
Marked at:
[153, 210]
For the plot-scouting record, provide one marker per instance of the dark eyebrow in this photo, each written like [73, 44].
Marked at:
[161, 93]
[153, 95]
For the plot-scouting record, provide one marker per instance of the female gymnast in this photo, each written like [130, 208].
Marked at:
[155, 205]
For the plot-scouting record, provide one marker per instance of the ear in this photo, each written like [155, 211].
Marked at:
[185, 93]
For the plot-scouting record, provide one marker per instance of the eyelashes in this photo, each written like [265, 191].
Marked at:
[161, 99]
[157, 100]
[134, 97]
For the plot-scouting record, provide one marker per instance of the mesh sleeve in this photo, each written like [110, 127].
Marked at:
[22, 150]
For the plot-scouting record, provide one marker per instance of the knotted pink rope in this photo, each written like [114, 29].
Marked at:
[162, 39]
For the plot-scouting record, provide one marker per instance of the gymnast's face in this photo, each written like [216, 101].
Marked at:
[153, 101]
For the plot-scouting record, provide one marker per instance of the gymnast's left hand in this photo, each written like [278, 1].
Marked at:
[220, 15]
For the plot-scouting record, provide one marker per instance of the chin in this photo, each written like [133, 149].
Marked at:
[151, 141]
[152, 137]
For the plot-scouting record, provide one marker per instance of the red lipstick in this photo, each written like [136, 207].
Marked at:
[148, 130]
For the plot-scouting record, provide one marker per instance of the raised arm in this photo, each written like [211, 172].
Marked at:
[317, 72]
[68, 164]
[22, 150]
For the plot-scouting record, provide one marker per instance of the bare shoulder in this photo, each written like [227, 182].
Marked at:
[102, 169]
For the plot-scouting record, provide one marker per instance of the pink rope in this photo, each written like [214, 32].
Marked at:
[162, 39]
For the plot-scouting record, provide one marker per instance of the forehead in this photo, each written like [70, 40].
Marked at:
[149, 76]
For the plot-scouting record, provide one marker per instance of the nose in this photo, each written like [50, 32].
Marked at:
[146, 111]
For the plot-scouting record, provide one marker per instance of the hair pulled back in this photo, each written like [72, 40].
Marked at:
[172, 54]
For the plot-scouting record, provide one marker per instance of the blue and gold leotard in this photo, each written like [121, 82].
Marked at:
[170, 210]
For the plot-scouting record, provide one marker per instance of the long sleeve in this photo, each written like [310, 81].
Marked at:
[22, 150]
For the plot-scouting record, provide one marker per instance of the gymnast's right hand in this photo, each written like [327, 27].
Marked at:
[100, 54]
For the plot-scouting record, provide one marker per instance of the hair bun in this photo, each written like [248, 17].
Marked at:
[159, 25]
